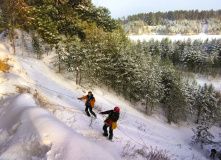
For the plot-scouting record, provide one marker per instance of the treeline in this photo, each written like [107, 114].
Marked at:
[196, 56]
[157, 18]
[147, 72]
[96, 49]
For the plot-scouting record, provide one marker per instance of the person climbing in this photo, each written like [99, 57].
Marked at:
[111, 121]
[90, 100]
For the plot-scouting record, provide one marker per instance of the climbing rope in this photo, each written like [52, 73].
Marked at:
[78, 109]
[131, 138]
[51, 90]
[6, 94]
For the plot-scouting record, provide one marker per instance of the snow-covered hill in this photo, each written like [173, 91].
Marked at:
[48, 122]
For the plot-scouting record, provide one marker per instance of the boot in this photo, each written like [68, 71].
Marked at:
[88, 114]
[110, 136]
[105, 134]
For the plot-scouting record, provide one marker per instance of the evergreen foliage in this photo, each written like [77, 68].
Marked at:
[36, 45]
[173, 22]
[156, 18]
[202, 136]
[89, 43]
[197, 56]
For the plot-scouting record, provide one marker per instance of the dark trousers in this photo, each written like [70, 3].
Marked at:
[212, 155]
[90, 109]
[105, 129]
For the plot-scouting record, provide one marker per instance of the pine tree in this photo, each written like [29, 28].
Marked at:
[59, 59]
[36, 45]
[175, 96]
[202, 134]
[206, 104]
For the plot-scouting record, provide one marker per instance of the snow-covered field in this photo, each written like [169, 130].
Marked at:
[49, 123]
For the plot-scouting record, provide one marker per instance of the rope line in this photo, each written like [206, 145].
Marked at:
[81, 110]
[45, 87]
[6, 94]
[63, 106]
[51, 90]
[131, 138]
[77, 109]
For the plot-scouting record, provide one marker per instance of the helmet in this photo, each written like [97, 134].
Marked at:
[116, 109]
[89, 93]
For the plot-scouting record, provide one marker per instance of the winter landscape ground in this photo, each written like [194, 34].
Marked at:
[42, 119]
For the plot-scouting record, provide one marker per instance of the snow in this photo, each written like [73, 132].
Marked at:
[49, 123]
[201, 80]
[216, 82]
[204, 28]
[201, 36]
[30, 132]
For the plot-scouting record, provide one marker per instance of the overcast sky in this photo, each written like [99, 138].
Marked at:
[120, 8]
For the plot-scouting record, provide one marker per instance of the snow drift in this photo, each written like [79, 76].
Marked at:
[30, 132]
[59, 129]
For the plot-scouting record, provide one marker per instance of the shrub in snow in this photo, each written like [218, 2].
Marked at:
[144, 152]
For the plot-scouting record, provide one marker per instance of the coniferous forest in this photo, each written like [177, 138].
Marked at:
[95, 48]
[174, 22]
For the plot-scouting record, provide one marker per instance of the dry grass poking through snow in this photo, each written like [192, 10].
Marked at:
[4, 66]
[147, 153]
[23, 90]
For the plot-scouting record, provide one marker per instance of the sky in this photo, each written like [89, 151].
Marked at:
[120, 8]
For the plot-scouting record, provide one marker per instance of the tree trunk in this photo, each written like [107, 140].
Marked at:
[80, 78]
[198, 116]
[77, 74]
[11, 35]
[56, 3]
[169, 114]
[59, 63]
[22, 3]
[146, 105]
[23, 42]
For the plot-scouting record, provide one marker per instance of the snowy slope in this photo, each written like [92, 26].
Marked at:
[54, 126]
[30, 132]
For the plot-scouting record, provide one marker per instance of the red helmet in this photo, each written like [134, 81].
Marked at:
[117, 109]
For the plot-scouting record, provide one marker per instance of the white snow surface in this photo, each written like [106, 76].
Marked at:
[54, 126]
[201, 36]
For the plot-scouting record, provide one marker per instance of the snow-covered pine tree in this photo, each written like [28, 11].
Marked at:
[152, 86]
[36, 46]
[202, 134]
[212, 104]
[58, 60]
[74, 56]
[174, 99]
[206, 104]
